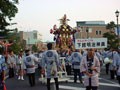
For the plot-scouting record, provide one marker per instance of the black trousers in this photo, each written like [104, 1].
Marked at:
[56, 83]
[1, 78]
[11, 72]
[118, 77]
[68, 69]
[91, 88]
[31, 79]
[77, 72]
[107, 68]
[112, 74]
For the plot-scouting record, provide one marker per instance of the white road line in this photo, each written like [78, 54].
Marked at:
[109, 81]
[102, 79]
[104, 84]
[71, 88]
[112, 85]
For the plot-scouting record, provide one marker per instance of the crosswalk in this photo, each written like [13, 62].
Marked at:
[107, 84]
[67, 86]
[71, 88]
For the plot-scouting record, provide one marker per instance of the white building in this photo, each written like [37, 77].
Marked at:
[31, 37]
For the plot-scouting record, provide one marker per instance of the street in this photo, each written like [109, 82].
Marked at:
[105, 84]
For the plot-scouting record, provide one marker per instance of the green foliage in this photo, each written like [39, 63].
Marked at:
[18, 45]
[13, 37]
[110, 25]
[34, 48]
[112, 40]
[16, 48]
[23, 45]
[111, 36]
[8, 10]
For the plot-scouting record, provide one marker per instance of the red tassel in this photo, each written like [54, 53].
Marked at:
[51, 31]
[4, 87]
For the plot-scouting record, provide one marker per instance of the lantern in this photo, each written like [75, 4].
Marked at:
[51, 31]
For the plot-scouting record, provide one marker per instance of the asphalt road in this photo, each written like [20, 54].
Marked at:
[105, 84]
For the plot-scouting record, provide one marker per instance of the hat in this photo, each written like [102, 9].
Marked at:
[118, 47]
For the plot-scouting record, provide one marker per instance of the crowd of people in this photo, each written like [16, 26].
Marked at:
[87, 63]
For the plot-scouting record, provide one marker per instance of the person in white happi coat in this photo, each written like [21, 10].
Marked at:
[50, 60]
[75, 59]
[110, 55]
[90, 66]
[116, 63]
[29, 62]
[108, 63]
[99, 56]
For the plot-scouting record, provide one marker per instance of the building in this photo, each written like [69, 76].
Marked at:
[22, 35]
[31, 37]
[91, 29]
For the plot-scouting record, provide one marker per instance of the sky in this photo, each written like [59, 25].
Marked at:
[42, 15]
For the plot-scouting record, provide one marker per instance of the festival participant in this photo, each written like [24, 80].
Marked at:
[67, 63]
[51, 61]
[106, 64]
[2, 69]
[110, 55]
[99, 56]
[75, 59]
[90, 66]
[11, 63]
[20, 66]
[39, 55]
[29, 61]
[116, 63]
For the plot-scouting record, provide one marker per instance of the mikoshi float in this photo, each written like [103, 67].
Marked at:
[64, 35]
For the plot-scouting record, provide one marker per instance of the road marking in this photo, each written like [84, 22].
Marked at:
[109, 81]
[112, 85]
[71, 88]
[99, 78]
[104, 84]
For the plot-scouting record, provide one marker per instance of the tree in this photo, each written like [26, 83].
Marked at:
[8, 10]
[13, 36]
[17, 45]
[111, 26]
[111, 36]
[112, 40]
[16, 48]
[34, 48]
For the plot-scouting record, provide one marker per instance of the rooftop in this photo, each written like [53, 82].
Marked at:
[91, 23]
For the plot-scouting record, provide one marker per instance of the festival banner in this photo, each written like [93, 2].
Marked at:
[90, 43]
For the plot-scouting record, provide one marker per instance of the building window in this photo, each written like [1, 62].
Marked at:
[96, 32]
[87, 31]
[90, 30]
[99, 32]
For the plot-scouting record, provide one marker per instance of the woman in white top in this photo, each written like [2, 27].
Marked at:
[20, 66]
